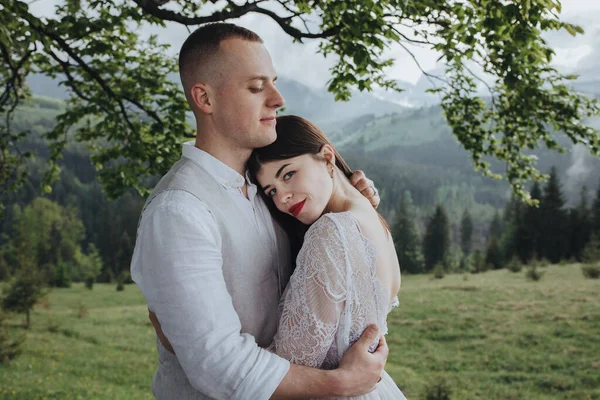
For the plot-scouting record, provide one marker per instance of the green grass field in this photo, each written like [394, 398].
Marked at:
[489, 336]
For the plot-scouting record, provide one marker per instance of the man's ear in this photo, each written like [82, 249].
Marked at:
[201, 96]
[328, 153]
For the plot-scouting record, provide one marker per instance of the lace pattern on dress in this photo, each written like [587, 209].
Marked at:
[332, 296]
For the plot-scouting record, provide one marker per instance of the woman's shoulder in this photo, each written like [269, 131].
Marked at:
[330, 233]
[332, 224]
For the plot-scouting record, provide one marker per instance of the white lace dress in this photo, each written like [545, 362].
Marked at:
[333, 295]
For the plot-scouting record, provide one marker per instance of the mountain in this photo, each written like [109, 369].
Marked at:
[316, 105]
[420, 139]
[320, 106]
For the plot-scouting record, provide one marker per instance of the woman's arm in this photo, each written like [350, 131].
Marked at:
[310, 318]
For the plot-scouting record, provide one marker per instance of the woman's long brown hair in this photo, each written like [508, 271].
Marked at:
[296, 136]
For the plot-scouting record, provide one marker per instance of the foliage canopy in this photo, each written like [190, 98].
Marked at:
[124, 107]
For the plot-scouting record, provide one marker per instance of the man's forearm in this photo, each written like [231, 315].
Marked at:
[301, 382]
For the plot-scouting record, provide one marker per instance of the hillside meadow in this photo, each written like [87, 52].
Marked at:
[487, 336]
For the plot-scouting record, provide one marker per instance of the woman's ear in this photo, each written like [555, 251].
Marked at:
[328, 153]
[200, 94]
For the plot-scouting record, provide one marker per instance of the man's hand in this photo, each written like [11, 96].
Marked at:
[365, 187]
[359, 370]
[161, 336]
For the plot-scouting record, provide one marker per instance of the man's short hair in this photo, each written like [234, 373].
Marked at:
[203, 44]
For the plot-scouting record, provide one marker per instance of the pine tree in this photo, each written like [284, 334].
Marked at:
[124, 253]
[527, 240]
[512, 225]
[493, 254]
[466, 233]
[595, 212]
[553, 222]
[24, 291]
[579, 226]
[478, 263]
[436, 244]
[496, 226]
[591, 251]
[406, 238]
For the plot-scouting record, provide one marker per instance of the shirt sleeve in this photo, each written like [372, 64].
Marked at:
[312, 306]
[177, 264]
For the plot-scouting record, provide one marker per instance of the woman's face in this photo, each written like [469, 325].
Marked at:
[299, 186]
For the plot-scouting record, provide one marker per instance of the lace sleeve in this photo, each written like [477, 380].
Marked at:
[313, 302]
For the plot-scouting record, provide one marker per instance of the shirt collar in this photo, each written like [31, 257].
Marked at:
[223, 173]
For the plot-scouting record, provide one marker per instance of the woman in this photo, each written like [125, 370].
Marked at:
[347, 273]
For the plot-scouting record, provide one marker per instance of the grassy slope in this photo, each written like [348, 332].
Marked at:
[493, 335]
[498, 336]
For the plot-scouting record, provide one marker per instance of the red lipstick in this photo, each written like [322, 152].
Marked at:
[296, 208]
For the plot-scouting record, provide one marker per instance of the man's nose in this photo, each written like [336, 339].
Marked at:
[276, 99]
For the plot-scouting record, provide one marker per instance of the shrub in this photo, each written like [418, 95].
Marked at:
[23, 293]
[53, 326]
[120, 282]
[83, 311]
[514, 265]
[438, 271]
[533, 274]
[106, 276]
[591, 251]
[62, 276]
[544, 262]
[439, 390]
[477, 262]
[465, 264]
[127, 277]
[9, 346]
[89, 282]
[591, 271]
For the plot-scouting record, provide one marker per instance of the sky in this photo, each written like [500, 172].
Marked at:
[302, 62]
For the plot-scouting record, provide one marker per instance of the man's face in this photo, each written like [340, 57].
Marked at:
[244, 103]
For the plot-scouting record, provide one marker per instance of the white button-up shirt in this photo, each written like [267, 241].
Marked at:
[177, 264]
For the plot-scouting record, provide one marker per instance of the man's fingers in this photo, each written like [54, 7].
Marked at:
[382, 347]
[375, 201]
[356, 177]
[365, 184]
[369, 192]
[369, 335]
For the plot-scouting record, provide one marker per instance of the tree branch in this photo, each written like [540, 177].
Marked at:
[237, 11]
[93, 74]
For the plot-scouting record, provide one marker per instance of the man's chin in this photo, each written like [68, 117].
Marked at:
[268, 139]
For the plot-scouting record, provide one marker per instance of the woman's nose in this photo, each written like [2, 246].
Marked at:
[284, 197]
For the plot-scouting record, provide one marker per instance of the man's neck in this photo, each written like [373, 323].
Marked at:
[235, 159]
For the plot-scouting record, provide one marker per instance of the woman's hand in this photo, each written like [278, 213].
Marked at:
[159, 332]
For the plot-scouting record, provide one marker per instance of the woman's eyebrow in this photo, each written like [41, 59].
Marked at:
[279, 171]
[276, 175]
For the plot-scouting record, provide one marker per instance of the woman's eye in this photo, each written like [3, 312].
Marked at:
[271, 193]
[288, 175]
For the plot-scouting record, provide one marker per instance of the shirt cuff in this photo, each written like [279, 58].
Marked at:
[264, 378]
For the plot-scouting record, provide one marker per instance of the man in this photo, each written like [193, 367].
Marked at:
[209, 259]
